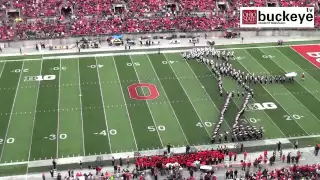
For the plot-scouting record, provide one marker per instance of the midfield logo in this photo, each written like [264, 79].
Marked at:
[277, 17]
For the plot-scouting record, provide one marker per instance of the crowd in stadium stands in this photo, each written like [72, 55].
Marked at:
[89, 17]
[173, 165]
[294, 171]
[209, 157]
[311, 172]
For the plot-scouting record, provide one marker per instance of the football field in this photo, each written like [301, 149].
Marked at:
[65, 107]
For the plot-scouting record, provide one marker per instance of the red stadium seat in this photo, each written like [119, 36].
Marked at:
[94, 17]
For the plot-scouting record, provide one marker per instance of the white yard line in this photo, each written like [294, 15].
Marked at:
[210, 135]
[58, 123]
[61, 161]
[263, 111]
[122, 105]
[301, 85]
[125, 102]
[207, 92]
[155, 124]
[143, 51]
[239, 107]
[21, 60]
[34, 119]
[271, 94]
[81, 113]
[111, 82]
[299, 68]
[91, 158]
[104, 82]
[12, 108]
[4, 64]
[104, 111]
[167, 99]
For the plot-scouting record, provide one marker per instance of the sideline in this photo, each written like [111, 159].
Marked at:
[154, 52]
[91, 158]
[307, 158]
[139, 52]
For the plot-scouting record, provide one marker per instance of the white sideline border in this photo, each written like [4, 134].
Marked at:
[153, 52]
[141, 51]
[92, 158]
[156, 47]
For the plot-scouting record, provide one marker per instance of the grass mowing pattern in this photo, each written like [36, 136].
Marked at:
[22, 122]
[92, 110]
[139, 112]
[175, 92]
[275, 114]
[296, 106]
[160, 107]
[188, 86]
[45, 137]
[7, 95]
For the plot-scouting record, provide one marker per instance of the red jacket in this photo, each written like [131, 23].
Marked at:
[245, 154]
[230, 154]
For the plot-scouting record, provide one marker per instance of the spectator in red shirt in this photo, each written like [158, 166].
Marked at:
[245, 154]
[244, 166]
[249, 164]
[230, 156]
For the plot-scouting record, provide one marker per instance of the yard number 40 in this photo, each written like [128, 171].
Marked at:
[111, 132]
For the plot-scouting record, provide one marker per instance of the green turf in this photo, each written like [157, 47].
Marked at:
[70, 121]
[90, 107]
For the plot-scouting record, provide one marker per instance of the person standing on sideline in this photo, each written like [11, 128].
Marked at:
[128, 162]
[279, 145]
[245, 154]
[80, 164]
[168, 148]
[187, 149]
[43, 176]
[135, 173]
[296, 144]
[54, 164]
[316, 150]
[120, 162]
[112, 161]
[51, 172]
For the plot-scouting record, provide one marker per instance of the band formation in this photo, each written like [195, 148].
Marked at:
[219, 61]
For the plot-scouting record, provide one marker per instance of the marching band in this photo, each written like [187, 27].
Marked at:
[220, 63]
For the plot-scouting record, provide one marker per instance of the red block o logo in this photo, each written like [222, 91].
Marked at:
[133, 93]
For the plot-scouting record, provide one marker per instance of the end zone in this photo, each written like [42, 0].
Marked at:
[309, 52]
